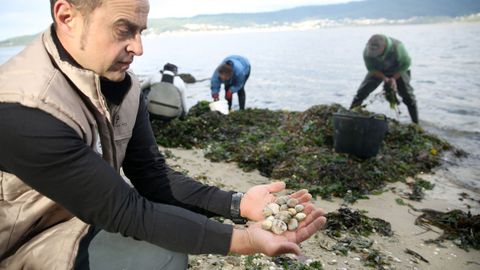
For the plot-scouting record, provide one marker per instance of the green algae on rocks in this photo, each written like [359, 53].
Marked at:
[297, 147]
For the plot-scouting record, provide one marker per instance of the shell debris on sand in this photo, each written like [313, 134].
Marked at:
[282, 215]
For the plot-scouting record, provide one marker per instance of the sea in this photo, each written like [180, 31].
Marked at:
[296, 69]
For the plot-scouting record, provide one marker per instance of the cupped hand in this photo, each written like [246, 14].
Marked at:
[256, 239]
[259, 196]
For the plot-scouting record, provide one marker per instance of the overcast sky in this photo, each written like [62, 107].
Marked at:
[24, 17]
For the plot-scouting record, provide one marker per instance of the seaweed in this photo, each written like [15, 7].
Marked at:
[356, 244]
[297, 147]
[288, 263]
[344, 220]
[416, 255]
[391, 96]
[255, 262]
[460, 227]
[375, 259]
[350, 229]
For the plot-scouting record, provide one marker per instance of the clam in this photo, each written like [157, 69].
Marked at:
[282, 200]
[299, 208]
[267, 211]
[292, 202]
[283, 216]
[275, 208]
[278, 227]
[292, 224]
[285, 213]
[267, 224]
[300, 216]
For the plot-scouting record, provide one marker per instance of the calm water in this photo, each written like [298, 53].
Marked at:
[297, 69]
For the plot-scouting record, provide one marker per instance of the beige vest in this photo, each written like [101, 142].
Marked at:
[39, 233]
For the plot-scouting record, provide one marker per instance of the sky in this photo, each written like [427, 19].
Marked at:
[26, 17]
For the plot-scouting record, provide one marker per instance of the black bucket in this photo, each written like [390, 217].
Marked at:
[358, 135]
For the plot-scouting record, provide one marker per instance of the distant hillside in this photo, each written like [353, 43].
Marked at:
[353, 13]
[369, 9]
[17, 41]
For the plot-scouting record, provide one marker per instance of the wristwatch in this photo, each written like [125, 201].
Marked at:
[235, 209]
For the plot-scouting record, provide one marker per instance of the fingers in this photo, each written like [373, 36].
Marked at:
[308, 208]
[312, 215]
[299, 193]
[315, 214]
[276, 187]
[305, 198]
[307, 231]
[302, 196]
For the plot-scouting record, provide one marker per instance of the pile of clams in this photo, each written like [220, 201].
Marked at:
[285, 213]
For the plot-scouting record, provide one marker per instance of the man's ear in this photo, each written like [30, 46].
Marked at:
[66, 16]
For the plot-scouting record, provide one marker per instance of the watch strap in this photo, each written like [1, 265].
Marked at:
[235, 209]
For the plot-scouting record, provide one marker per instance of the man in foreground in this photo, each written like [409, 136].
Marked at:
[71, 116]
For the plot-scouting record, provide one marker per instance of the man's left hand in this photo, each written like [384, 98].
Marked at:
[257, 197]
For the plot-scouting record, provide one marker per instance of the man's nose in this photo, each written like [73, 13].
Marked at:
[135, 45]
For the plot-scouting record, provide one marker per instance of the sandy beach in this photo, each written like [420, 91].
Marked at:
[444, 197]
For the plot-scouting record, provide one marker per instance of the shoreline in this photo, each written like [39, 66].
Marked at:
[444, 197]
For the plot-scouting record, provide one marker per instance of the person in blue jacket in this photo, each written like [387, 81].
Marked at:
[233, 72]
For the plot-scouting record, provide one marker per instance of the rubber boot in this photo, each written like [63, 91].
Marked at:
[412, 110]
[356, 102]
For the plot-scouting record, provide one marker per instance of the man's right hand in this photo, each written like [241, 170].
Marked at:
[215, 96]
[254, 239]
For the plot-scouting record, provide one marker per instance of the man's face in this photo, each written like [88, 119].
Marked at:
[108, 42]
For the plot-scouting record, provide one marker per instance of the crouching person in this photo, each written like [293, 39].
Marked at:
[165, 94]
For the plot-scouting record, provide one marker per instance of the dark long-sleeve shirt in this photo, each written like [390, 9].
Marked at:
[49, 156]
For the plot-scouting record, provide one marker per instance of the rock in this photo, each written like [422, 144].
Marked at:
[187, 77]
[332, 262]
